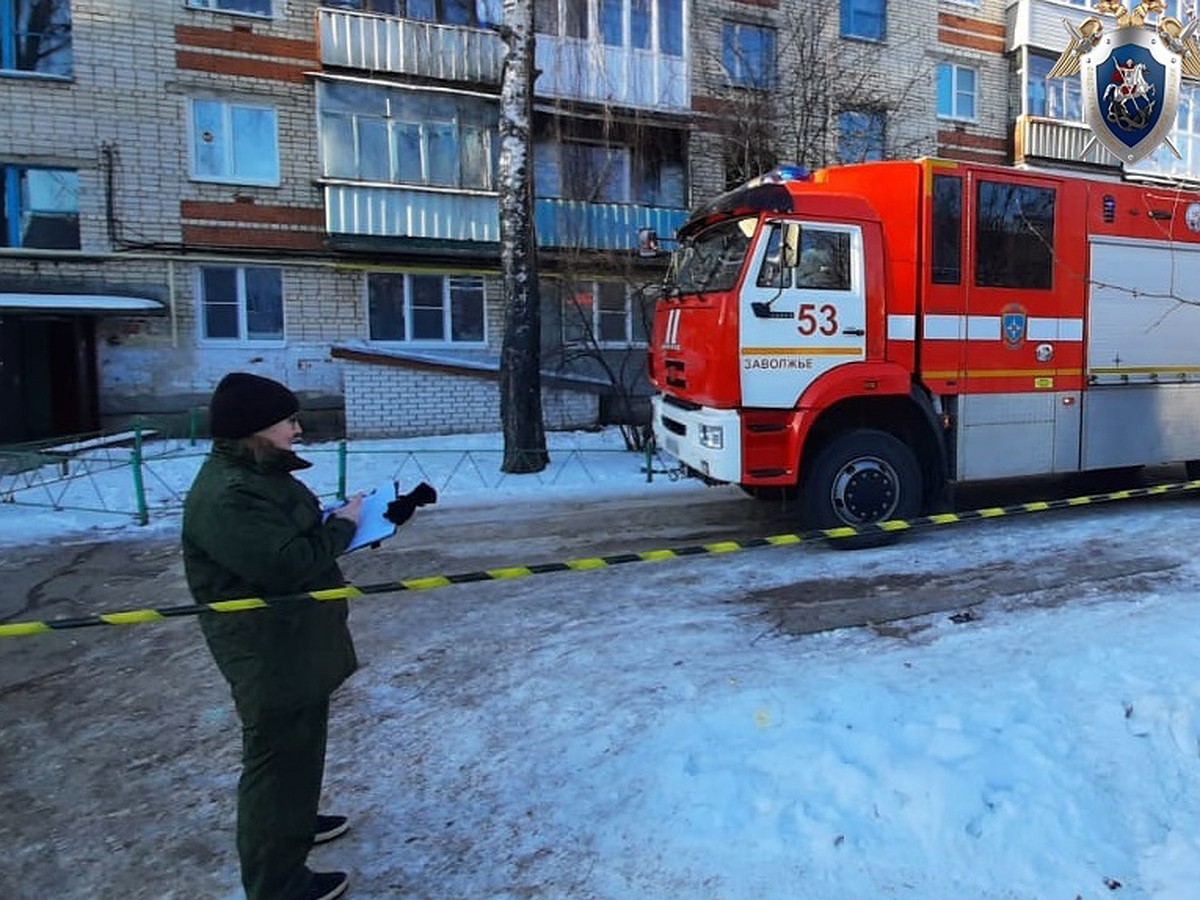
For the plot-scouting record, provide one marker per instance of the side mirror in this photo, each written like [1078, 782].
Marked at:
[791, 245]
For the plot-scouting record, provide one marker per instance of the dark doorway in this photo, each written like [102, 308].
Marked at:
[47, 377]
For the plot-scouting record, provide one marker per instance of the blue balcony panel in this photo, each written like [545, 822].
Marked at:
[383, 211]
[376, 43]
[600, 226]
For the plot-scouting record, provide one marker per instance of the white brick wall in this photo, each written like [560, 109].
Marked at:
[397, 401]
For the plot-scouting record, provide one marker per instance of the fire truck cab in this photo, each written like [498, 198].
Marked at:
[866, 336]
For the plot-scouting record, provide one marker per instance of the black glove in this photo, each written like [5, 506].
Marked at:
[401, 509]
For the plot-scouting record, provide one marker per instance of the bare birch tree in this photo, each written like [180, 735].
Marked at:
[520, 354]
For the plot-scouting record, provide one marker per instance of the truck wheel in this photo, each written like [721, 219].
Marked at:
[858, 478]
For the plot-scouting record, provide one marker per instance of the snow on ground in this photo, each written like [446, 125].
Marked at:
[1049, 753]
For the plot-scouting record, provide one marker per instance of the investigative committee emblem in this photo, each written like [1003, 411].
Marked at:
[1130, 76]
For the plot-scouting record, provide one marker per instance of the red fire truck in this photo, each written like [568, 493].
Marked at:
[869, 335]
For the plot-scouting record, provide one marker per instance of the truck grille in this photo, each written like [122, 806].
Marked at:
[674, 427]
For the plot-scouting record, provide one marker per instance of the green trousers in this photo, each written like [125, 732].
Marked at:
[283, 761]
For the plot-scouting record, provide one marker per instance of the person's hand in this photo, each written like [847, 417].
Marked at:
[351, 509]
[423, 494]
[401, 509]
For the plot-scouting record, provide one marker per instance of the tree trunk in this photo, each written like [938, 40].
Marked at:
[520, 355]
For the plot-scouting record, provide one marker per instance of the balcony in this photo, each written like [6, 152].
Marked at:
[377, 43]
[387, 211]
[395, 211]
[1039, 23]
[1039, 140]
[574, 69]
[575, 224]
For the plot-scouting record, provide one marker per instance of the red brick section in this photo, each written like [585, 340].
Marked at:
[226, 236]
[962, 23]
[711, 105]
[242, 41]
[961, 31]
[978, 141]
[244, 211]
[975, 42]
[239, 65]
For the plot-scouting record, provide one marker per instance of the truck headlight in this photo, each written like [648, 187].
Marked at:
[712, 437]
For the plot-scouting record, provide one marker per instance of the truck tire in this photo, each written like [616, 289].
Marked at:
[861, 477]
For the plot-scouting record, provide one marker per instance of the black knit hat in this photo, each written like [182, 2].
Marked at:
[243, 404]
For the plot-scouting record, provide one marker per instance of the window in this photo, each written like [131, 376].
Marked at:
[860, 135]
[620, 23]
[371, 133]
[35, 36]
[602, 312]
[947, 230]
[477, 13]
[444, 309]
[242, 303]
[581, 171]
[250, 7]
[565, 18]
[955, 91]
[234, 142]
[39, 208]
[864, 19]
[748, 54]
[712, 260]
[1014, 226]
[823, 262]
[1058, 98]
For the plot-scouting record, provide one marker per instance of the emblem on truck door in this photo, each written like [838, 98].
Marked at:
[1012, 325]
[1131, 75]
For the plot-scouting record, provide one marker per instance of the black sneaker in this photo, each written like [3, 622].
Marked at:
[330, 827]
[327, 885]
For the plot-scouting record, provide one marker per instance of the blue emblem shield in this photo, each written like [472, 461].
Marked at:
[1130, 92]
[1012, 323]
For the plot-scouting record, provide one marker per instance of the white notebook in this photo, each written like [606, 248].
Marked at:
[372, 526]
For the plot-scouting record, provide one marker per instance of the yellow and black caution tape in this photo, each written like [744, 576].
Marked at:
[133, 616]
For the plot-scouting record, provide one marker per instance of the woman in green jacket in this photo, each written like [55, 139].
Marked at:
[251, 529]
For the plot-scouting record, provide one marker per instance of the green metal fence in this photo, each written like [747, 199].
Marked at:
[147, 469]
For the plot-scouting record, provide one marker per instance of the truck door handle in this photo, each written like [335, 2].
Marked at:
[855, 331]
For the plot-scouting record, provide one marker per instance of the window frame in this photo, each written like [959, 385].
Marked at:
[847, 18]
[15, 209]
[448, 286]
[228, 105]
[212, 6]
[955, 69]
[1006, 256]
[243, 337]
[1065, 92]
[590, 331]
[464, 126]
[738, 77]
[8, 45]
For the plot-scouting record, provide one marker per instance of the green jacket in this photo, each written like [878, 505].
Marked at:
[250, 529]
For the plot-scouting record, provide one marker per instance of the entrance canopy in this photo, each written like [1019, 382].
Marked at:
[80, 303]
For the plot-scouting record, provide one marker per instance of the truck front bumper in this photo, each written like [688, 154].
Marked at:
[708, 441]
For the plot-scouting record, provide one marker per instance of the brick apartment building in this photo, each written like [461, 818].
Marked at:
[308, 189]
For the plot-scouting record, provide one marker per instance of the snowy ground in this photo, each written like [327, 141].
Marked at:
[651, 731]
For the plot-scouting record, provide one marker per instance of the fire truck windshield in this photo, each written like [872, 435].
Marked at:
[712, 259]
